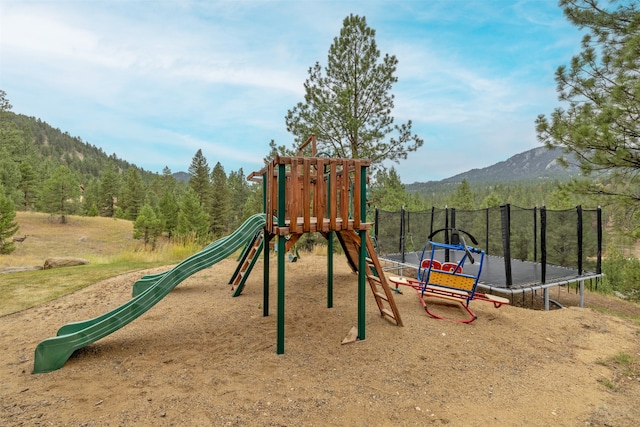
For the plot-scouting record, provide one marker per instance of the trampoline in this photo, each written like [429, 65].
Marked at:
[553, 248]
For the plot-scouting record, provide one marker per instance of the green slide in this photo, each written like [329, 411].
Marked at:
[149, 280]
[53, 352]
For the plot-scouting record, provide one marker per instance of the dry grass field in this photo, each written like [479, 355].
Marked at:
[94, 238]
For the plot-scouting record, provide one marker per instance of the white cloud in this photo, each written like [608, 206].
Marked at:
[157, 80]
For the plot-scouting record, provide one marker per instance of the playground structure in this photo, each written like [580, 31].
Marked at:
[527, 250]
[325, 195]
[300, 195]
[448, 280]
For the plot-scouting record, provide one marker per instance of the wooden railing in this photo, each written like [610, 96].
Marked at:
[309, 194]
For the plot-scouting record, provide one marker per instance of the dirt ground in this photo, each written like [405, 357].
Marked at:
[201, 357]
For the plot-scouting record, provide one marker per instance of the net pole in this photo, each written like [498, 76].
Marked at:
[486, 229]
[505, 211]
[535, 234]
[599, 225]
[544, 264]
[580, 242]
[402, 233]
[446, 233]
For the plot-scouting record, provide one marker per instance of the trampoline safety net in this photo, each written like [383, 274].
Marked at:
[525, 247]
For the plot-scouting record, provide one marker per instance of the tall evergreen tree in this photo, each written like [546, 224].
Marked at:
[463, 197]
[200, 180]
[492, 200]
[91, 197]
[10, 176]
[193, 221]
[348, 104]
[61, 193]
[239, 194]
[220, 206]
[8, 226]
[10, 140]
[147, 226]
[169, 182]
[132, 195]
[597, 125]
[387, 192]
[109, 190]
[28, 185]
[254, 202]
[168, 211]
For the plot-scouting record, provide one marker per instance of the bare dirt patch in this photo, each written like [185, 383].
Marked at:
[201, 357]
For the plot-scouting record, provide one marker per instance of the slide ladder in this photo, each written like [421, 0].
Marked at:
[382, 293]
[247, 260]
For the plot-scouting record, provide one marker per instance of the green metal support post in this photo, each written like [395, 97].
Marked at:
[330, 251]
[363, 251]
[265, 242]
[281, 250]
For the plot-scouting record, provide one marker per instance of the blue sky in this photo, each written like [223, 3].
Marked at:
[154, 81]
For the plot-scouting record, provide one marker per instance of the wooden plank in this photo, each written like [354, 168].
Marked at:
[320, 196]
[270, 202]
[389, 313]
[344, 193]
[293, 195]
[352, 336]
[374, 278]
[333, 177]
[381, 296]
[307, 189]
[357, 193]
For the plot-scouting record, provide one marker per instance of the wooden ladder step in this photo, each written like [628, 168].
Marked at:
[381, 296]
[389, 313]
[375, 279]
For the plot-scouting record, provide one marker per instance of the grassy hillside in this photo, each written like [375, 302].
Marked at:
[94, 238]
[106, 243]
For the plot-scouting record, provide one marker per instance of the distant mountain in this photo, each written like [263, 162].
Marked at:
[181, 176]
[535, 164]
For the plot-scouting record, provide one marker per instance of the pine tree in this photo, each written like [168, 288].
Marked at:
[9, 175]
[193, 221]
[28, 185]
[91, 197]
[109, 190]
[8, 226]
[220, 207]
[492, 200]
[200, 180]
[60, 193]
[387, 191]
[463, 197]
[239, 194]
[348, 106]
[169, 210]
[132, 196]
[147, 226]
[15, 149]
[597, 126]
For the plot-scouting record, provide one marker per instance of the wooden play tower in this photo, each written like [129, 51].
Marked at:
[324, 195]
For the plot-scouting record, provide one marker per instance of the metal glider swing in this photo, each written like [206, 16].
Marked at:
[448, 280]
